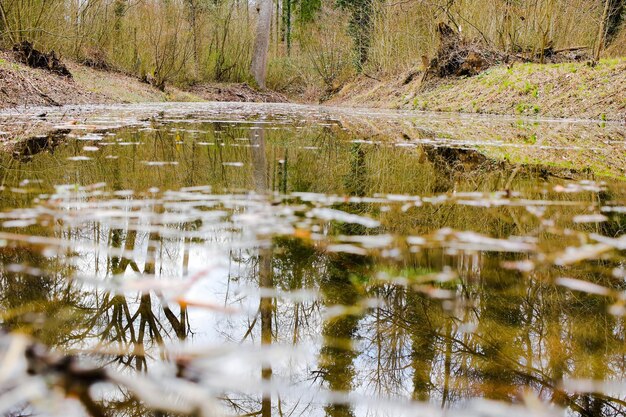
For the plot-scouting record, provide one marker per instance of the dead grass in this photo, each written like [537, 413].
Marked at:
[121, 88]
[570, 90]
[24, 86]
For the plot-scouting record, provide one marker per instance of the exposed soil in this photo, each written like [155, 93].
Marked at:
[30, 56]
[236, 92]
[21, 85]
[49, 85]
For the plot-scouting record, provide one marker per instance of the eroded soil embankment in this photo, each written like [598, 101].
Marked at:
[21, 85]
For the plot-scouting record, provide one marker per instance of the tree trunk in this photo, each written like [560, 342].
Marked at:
[614, 20]
[602, 30]
[4, 24]
[287, 24]
[262, 42]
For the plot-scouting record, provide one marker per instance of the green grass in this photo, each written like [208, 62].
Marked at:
[531, 89]
[525, 108]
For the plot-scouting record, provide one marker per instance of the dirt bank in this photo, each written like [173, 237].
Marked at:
[571, 90]
[21, 85]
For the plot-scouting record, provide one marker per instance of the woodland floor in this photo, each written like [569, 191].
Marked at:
[22, 87]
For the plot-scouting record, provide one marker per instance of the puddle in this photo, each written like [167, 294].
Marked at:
[238, 259]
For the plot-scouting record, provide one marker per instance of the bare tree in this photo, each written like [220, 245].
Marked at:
[262, 42]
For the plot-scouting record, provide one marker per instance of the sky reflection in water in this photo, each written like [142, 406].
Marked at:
[207, 259]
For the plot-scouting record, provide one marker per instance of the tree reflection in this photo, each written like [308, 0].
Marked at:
[38, 300]
[130, 325]
[487, 332]
[338, 353]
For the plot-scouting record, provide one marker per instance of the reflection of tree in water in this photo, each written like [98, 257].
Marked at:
[424, 314]
[355, 180]
[518, 324]
[129, 325]
[337, 355]
[60, 313]
[527, 334]
[339, 289]
[125, 328]
[296, 266]
[521, 330]
[41, 301]
[595, 335]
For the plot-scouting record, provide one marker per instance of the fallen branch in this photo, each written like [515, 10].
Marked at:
[46, 97]
[571, 49]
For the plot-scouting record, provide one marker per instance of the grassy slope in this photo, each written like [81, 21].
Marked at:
[120, 88]
[553, 90]
[21, 85]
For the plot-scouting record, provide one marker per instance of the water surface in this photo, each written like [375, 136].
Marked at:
[284, 260]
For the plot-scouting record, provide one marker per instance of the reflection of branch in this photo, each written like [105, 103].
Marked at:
[543, 379]
[130, 329]
[177, 325]
[251, 327]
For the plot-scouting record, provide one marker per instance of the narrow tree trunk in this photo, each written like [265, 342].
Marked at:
[615, 19]
[5, 24]
[602, 30]
[262, 42]
[507, 28]
[193, 21]
[288, 27]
